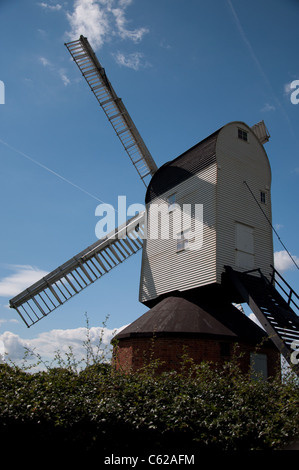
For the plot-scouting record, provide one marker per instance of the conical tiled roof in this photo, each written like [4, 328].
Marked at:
[176, 316]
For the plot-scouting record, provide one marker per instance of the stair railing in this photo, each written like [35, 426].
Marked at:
[283, 285]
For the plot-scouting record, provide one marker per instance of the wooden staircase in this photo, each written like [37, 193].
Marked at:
[273, 309]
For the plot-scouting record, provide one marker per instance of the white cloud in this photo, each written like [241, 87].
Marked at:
[42, 32]
[46, 6]
[99, 20]
[11, 320]
[164, 44]
[135, 35]
[45, 62]
[283, 262]
[22, 278]
[47, 344]
[60, 72]
[132, 61]
[125, 3]
[287, 88]
[268, 107]
[90, 19]
[64, 77]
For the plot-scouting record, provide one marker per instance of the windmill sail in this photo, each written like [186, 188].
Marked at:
[79, 272]
[113, 107]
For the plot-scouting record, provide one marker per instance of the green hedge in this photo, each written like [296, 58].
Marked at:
[100, 410]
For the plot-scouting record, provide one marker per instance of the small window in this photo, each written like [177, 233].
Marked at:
[182, 240]
[259, 366]
[171, 201]
[263, 197]
[243, 135]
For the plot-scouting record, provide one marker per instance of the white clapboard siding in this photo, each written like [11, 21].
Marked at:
[163, 268]
[227, 189]
[240, 161]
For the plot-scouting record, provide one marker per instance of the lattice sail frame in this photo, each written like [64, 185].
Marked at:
[113, 107]
[79, 272]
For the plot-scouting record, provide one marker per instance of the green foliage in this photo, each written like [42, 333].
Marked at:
[97, 409]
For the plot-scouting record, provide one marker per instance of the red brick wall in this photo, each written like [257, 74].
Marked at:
[133, 353]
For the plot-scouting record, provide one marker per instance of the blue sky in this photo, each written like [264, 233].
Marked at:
[183, 69]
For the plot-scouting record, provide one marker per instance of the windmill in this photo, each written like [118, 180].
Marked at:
[223, 251]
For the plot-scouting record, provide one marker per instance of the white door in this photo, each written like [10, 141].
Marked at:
[244, 246]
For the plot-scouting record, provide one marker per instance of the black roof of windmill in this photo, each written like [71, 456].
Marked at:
[275, 311]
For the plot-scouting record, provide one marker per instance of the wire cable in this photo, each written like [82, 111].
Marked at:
[270, 223]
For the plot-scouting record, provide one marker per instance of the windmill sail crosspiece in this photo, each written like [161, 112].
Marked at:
[115, 110]
[86, 267]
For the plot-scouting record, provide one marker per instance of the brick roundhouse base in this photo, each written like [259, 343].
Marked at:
[131, 354]
[177, 328]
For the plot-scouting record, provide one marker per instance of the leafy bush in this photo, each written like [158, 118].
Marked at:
[100, 410]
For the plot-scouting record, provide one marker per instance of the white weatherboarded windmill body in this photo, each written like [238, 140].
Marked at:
[223, 250]
[218, 173]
